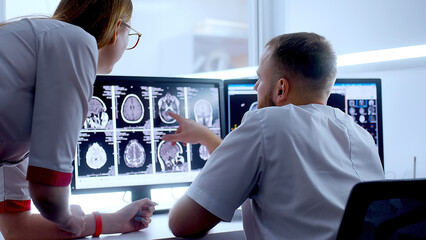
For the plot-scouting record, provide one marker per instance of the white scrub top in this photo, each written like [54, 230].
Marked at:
[296, 165]
[47, 70]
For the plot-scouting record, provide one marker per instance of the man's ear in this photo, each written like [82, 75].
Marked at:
[282, 90]
[115, 35]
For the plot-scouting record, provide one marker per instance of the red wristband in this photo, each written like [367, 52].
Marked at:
[98, 221]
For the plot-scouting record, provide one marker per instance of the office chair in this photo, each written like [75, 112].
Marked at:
[389, 209]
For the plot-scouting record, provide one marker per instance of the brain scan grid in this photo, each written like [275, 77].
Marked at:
[360, 102]
[121, 136]
[363, 111]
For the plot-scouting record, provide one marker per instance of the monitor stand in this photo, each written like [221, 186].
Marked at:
[139, 193]
[145, 192]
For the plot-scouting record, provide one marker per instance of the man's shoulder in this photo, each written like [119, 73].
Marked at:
[290, 117]
[294, 112]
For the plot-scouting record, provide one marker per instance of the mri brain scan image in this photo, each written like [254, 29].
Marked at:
[166, 104]
[96, 115]
[204, 153]
[203, 112]
[362, 119]
[132, 109]
[96, 156]
[170, 156]
[134, 154]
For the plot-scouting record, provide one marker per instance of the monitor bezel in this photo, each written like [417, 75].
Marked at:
[226, 84]
[139, 191]
[376, 81]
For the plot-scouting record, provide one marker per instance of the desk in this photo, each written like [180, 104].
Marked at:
[159, 229]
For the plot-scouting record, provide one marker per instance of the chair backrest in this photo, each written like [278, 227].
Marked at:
[389, 209]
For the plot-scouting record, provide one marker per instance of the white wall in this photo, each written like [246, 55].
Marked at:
[404, 115]
[168, 28]
[363, 25]
[21, 8]
[354, 26]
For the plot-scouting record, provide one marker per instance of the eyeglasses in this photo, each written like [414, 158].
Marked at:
[134, 36]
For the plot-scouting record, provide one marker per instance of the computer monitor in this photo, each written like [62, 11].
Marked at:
[120, 146]
[240, 97]
[360, 98]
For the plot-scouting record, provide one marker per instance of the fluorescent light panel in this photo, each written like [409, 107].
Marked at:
[342, 60]
[381, 55]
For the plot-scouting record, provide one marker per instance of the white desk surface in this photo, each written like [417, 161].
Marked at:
[158, 229]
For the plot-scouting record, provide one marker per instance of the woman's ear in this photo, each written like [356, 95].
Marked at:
[282, 91]
[116, 30]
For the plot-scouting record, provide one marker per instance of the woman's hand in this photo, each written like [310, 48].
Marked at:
[133, 217]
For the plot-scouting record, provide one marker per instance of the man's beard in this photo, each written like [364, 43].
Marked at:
[266, 101]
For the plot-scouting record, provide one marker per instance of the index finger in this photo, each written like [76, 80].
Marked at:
[174, 137]
[176, 116]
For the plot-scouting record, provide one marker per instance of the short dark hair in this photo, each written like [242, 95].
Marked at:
[306, 56]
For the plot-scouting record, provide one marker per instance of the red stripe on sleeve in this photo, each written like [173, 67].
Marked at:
[9, 206]
[48, 177]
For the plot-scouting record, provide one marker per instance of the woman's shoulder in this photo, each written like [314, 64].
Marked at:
[51, 30]
[52, 25]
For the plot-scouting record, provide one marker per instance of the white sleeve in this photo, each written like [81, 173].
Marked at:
[66, 70]
[233, 172]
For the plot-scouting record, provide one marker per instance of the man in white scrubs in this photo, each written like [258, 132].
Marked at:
[292, 162]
